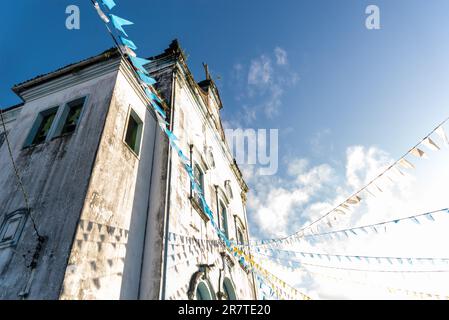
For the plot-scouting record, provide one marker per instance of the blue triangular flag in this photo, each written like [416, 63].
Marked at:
[158, 109]
[109, 3]
[128, 43]
[171, 136]
[151, 96]
[119, 22]
[154, 97]
[139, 63]
[146, 79]
[430, 217]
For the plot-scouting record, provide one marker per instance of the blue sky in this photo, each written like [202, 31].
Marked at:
[355, 85]
[334, 89]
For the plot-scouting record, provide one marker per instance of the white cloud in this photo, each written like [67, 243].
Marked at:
[364, 163]
[274, 101]
[320, 144]
[275, 206]
[266, 84]
[297, 166]
[260, 71]
[281, 56]
[275, 200]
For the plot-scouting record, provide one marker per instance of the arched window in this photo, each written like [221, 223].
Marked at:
[229, 189]
[210, 157]
[203, 291]
[229, 289]
[240, 236]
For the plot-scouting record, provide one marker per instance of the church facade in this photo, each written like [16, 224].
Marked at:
[97, 204]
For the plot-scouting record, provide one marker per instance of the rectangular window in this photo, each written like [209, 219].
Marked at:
[40, 131]
[223, 219]
[199, 178]
[134, 132]
[11, 228]
[240, 237]
[72, 115]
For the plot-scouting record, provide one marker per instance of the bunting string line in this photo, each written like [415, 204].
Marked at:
[298, 262]
[375, 228]
[392, 290]
[189, 242]
[371, 187]
[356, 258]
[282, 288]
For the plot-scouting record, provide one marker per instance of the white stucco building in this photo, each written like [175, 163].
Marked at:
[112, 204]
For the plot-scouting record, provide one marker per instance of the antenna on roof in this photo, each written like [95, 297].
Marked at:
[206, 70]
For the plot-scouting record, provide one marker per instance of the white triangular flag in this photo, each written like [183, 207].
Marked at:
[442, 134]
[399, 172]
[369, 192]
[101, 13]
[418, 153]
[128, 51]
[429, 143]
[388, 176]
[406, 164]
[354, 200]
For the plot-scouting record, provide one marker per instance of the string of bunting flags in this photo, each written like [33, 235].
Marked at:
[299, 263]
[281, 288]
[278, 287]
[350, 279]
[289, 257]
[278, 253]
[190, 241]
[371, 189]
[375, 228]
[127, 46]
[271, 286]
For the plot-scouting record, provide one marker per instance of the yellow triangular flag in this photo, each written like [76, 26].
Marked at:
[418, 153]
[429, 143]
[406, 164]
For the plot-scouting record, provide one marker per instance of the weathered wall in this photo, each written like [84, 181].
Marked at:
[55, 175]
[10, 117]
[103, 208]
[106, 258]
[151, 277]
[192, 125]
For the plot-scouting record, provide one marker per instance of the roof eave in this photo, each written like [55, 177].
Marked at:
[21, 87]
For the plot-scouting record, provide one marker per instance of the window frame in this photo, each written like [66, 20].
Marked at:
[20, 216]
[194, 198]
[229, 289]
[37, 122]
[240, 226]
[201, 287]
[201, 184]
[63, 116]
[222, 204]
[140, 130]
